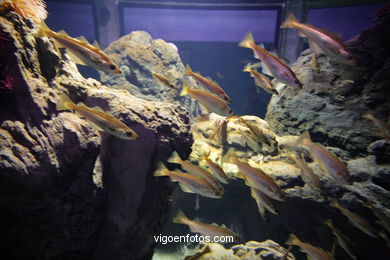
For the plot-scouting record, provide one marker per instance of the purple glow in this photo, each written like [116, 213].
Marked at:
[201, 25]
[75, 19]
[348, 21]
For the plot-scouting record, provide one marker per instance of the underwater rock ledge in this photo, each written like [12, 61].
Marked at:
[139, 55]
[57, 198]
[332, 101]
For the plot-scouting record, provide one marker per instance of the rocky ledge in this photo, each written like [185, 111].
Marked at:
[68, 191]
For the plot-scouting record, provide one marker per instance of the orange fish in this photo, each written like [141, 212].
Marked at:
[210, 230]
[211, 102]
[321, 41]
[81, 51]
[271, 64]
[328, 161]
[209, 84]
[261, 80]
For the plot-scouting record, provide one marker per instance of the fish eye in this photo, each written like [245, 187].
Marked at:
[129, 134]
[112, 67]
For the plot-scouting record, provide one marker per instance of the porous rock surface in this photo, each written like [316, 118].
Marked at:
[251, 250]
[138, 55]
[331, 104]
[305, 207]
[66, 190]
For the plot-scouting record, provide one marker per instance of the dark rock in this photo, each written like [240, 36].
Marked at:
[381, 150]
[331, 104]
[58, 200]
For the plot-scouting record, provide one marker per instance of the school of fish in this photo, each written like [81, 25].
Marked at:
[206, 177]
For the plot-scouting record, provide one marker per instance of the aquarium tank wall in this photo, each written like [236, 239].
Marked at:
[221, 129]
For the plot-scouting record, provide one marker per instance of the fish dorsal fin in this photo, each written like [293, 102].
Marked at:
[333, 34]
[82, 39]
[216, 225]
[96, 45]
[63, 33]
[262, 45]
[273, 52]
[266, 70]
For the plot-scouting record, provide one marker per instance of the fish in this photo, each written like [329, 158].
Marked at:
[321, 41]
[256, 130]
[384, 128]
[342, 240]
[263, 202]
[190, 183]
[80, 51]
[261, 80]
[216, 169]
[100, 120]
[384, 219]
[356, 220]
[164, 80]
[256, 178]
[209, 84]
[222, 132]
[307, 173]
[271, 64]
[198, 255]
[332, 165]
[211, 102]
[198, 171]
[314, 252]
[210, 230]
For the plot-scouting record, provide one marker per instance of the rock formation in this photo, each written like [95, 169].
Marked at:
[138, 55]
[252, 250]
[330, 107]
[68, 191]
[332, 101]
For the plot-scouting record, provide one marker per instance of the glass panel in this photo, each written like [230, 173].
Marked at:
[75, 19]
[347, 21]
[201, 25]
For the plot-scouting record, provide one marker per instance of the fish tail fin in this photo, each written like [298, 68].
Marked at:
[64, 102]
[43, 28]
[329, 223]
[180, 218]
[335, 204]
[368, 116]
[188, 70]
[305, 135]
[293, 240]
[175, 158]
[247, 68]
[184, 90]
[247, 41]
[290, 21]
[160, 170]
